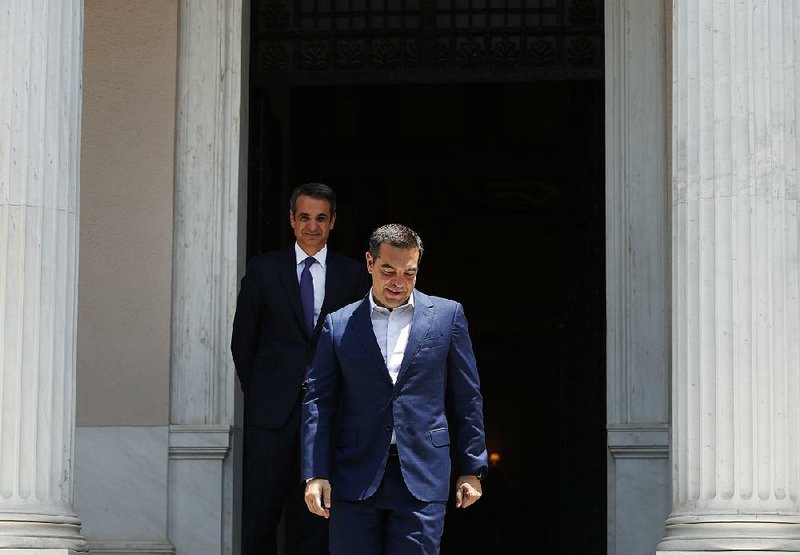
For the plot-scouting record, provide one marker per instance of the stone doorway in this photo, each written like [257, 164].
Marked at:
[502, 175]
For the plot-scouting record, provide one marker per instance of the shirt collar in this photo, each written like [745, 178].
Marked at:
[373, 306]
[321, 256]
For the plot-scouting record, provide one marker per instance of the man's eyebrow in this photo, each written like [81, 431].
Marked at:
[387, 265]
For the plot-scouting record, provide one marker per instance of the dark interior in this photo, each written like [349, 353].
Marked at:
[504, 181]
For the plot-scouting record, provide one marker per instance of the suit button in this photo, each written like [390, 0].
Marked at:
[388, 428]
[395, 396]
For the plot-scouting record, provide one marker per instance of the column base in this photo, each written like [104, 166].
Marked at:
[31, 533]
[38, 552]
[731, 533]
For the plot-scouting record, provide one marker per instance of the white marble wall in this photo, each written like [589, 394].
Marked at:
[121, 488]
[735, 280]
[40, 105]
[637, 300]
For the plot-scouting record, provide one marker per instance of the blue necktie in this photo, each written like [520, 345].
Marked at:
[307, 294]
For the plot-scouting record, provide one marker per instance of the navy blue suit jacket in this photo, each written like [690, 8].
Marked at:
[270, 345]
[351, 406]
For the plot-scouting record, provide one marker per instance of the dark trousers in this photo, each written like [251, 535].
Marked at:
[391, 522]
[271, 485]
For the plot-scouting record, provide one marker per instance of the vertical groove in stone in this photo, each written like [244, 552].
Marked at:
[43, 365]
[688, 430]
[721, 174]
[707, 206]
[793, 278]
[745, 343]
[20, 144]
[52, 241]
[66, 155]
[71, 115]
[750, 412]
[681, 391]
[740, 430]
[5, 242]
[762, 253]
[695, 290]
[766, 370]
[779, 362]
[8, 273]
[34, 215]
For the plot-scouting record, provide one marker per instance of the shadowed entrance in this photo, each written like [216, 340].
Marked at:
[503, 180]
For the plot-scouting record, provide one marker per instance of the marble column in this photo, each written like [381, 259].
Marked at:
[735, 450]
[40, 106]
[210, 177]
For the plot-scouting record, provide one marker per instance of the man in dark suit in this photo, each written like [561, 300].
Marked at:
[393, 400]
[273, 340]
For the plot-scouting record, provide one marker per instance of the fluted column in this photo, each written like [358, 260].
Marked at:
[736, 316]
[40, 104]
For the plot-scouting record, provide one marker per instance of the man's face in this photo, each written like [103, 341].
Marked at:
[394, 274]
[312, 223]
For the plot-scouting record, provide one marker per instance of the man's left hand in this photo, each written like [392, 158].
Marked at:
[468, 490]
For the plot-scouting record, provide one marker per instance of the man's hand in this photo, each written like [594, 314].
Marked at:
[468, 490]
[318, 497]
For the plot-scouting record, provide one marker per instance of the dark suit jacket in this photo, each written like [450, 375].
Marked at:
[270, 345]
[351, 406]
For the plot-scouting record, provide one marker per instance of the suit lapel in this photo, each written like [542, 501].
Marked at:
[420, 328]
[363, 326]
[287, 270]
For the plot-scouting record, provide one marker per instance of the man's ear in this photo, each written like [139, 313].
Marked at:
[370, 262]
[291, 217]
[333, 220]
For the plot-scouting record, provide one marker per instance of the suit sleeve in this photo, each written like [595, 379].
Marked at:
[246, 322]
[319, 407]
[465, 400]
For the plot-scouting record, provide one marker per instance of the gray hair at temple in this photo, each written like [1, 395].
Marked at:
[396, 235]
[314, 190]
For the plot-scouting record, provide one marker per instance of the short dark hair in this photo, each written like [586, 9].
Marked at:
[314, 190]
[397, 235]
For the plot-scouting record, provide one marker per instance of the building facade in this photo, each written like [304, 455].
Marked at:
[120, 427]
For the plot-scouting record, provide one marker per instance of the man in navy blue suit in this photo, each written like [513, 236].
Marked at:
[272, 346]
[393, 401]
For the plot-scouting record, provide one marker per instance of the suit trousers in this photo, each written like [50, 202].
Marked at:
[272, 489]
[391, 522]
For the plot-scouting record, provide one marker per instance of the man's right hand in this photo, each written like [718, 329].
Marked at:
[318, 497]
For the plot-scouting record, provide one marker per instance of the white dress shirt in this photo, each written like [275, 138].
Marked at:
[391, 329]
[317, 275]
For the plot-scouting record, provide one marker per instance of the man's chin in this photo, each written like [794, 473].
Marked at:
[394, 302]
[314, 245]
